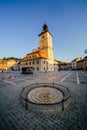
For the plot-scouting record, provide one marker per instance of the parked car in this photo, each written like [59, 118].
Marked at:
[26, 70]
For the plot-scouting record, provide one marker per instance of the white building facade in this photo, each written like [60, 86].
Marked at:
[42, 58]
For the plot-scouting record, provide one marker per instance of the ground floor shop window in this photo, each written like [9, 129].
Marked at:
[37, 68]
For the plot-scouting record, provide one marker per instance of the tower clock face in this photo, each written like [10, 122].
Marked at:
[43, 37]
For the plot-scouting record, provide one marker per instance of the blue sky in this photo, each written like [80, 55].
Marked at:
[22, 20]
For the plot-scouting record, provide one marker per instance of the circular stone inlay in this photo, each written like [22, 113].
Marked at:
[45, 95]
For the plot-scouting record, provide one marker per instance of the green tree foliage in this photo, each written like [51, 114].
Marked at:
[7, 58]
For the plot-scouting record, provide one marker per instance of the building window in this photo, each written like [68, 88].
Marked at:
[29, 63]
[33, 62]
[37, 68]
[33, 68]
[37, 61]
[35, 55]
[44, 61]
[30, 57]
[43, 36]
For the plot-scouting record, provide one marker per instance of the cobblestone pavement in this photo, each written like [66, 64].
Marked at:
[15, 117]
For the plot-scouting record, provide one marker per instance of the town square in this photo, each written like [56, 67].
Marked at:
[43, 65]
[13, 115]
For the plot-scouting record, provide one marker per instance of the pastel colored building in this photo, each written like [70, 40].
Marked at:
[85, 63]
[74, 63]
[41, 59]
[6, 64]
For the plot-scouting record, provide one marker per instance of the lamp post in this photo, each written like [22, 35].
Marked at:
[85, 60]
[85, 51]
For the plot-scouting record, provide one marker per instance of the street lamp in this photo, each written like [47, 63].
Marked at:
[85, 51]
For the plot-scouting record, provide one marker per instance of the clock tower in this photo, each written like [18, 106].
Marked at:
[45, 46]
[45, 42]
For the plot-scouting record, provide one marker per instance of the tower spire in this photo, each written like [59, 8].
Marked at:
[45, 27]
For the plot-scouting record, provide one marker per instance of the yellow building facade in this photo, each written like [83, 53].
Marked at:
[42, 58]
[6, 64]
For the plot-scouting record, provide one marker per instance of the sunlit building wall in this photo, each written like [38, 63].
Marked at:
[74, 62]
[6, 64]
[85, 63]
[41, 59]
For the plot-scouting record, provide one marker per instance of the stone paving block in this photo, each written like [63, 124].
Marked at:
[15, 117]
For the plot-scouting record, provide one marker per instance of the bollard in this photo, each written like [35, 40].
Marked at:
[62, 105]
[26, 103]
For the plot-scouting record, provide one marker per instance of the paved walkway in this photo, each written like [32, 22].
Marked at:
[14, 117]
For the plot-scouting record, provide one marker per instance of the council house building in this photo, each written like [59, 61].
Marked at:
[41, 59]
